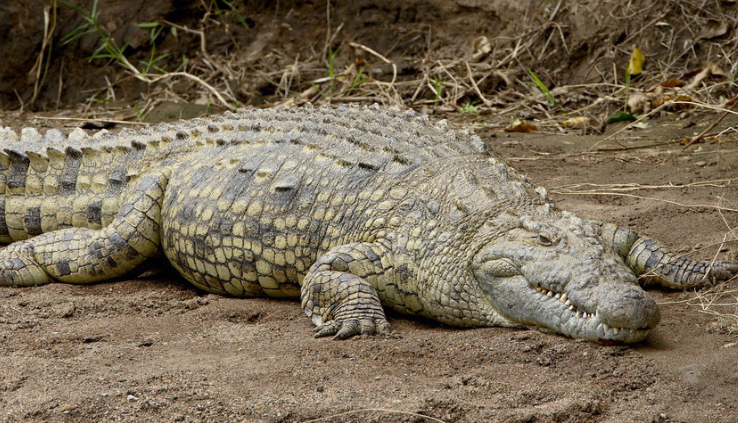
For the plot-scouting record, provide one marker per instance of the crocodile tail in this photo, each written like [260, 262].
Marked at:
[42, 180]
[653, 261]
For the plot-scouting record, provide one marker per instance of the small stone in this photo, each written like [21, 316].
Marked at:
[132, 398]
[191, 304]
[320, 388]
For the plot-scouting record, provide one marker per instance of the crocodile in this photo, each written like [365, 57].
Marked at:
[349, 210]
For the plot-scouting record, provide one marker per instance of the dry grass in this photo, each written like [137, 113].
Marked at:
[721, 302]
[492, 75]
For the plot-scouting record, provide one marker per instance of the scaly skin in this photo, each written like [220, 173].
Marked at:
[349, 210]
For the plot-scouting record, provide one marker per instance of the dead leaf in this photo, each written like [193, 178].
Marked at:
[637, 59]
[673, 83]
[480, 48]
[713, 29]
[673, 107]
[520, 126]
[578, 122]
[639, 103]
[708, 69]
[714, 69]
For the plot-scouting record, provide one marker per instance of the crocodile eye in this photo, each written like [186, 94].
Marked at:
[544, 240]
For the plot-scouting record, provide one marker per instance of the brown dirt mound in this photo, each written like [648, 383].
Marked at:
[267, 52]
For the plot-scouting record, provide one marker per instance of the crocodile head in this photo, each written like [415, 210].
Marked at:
[554, 272]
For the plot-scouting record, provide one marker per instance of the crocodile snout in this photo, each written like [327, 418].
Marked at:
[626, 306]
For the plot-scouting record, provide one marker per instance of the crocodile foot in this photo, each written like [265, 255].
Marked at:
[343, 305]
[337, 295]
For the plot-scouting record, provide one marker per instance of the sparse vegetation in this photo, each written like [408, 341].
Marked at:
[552, 101]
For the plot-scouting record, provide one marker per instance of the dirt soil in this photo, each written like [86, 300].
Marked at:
[154, 349]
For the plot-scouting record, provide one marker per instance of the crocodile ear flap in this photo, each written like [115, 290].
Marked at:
[503, 220]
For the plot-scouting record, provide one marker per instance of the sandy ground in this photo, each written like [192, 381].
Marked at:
[156, 350]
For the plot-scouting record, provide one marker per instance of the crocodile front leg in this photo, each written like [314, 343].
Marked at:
[648, 258]
[338, 292]
[81, 255]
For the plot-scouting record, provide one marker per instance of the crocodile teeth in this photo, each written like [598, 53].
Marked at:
[605, 327]
[585, 315]
[550, 294]
[571, 308]
[557, 296]
[579, 314]
[615, 331]
[564, 298]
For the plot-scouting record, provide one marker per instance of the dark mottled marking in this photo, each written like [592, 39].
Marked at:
[116, 181]
[32, 221]
[118, 241]
[17, 264]
[223, 226]
[403, 273]
[71, 170]
[96, 249]
[286, 184]
[130, 252]
[62, 266]
[94, 213]
[653, 260]
[401, 159]
[73, 152]
[3, 223]
[368, 166]
[16, 177]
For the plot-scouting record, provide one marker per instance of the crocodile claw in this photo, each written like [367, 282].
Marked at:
[347, 328]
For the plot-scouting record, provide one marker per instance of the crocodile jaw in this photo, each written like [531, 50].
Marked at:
[623, 313]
